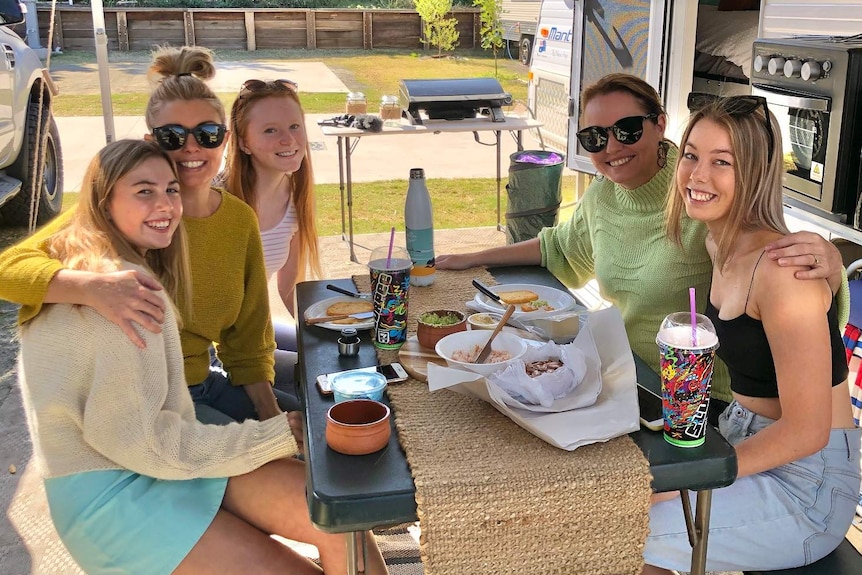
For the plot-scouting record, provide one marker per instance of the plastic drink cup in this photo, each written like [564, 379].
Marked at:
[686, 358]
[390, 283]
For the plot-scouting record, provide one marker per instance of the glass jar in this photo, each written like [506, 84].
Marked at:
[356, 103]
[390, 110]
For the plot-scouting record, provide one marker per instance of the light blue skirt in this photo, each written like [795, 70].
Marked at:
[117, 521]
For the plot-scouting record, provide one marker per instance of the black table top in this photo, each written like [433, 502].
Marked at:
[353, 493]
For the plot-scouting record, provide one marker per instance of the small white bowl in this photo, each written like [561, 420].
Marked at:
[467, 340]
[484, 320]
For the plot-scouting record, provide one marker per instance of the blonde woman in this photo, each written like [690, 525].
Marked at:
[790, 421]
[135, 483]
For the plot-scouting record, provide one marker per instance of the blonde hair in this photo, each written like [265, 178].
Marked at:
[757, 203]
[181, 74]
[240, 178]
[90, 241]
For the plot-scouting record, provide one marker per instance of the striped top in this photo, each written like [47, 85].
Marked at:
[276, 240]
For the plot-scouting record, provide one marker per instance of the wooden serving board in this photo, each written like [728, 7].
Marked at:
[415, 358]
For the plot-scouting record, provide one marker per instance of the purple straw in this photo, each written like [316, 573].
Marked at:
[391, 241]
[693, 305]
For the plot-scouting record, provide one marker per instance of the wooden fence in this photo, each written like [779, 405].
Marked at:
[247, 29]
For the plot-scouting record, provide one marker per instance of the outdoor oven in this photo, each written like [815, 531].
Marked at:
[813, 86]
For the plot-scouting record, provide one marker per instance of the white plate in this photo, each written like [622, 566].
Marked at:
[558, 299]
[319, 310]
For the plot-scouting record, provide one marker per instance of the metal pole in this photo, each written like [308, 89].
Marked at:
[31, 21]
[101, 38]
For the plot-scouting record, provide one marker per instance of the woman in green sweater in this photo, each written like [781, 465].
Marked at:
[229, 301]
[617, 235]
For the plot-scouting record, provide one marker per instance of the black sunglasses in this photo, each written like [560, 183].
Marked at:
[734, 106]
[272, 85]
[626, 130]
[173, 137]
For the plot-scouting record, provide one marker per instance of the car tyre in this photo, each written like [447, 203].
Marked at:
[17, 210]
[526, 50]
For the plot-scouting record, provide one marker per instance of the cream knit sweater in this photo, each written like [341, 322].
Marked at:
[95, 401]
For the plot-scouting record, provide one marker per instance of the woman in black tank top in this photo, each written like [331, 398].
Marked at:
[790, 420]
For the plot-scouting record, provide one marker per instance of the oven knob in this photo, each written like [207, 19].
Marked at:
[811, 71]
[760, 62]
[776, 65]
[792, 68]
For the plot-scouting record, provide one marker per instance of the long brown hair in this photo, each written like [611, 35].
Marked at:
[636, 87]
[757, 203]
[90, 241]
[241, 180]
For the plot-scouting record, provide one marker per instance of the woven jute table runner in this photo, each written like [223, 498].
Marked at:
[491, 497]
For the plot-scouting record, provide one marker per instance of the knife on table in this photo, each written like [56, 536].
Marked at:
[341, 290]
[360, 315]
[486, 351]
[482, 288]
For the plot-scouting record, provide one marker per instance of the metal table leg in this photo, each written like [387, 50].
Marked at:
[698, 528]
[357, 548]
[498, 133]
[341, 183]
[348, 151]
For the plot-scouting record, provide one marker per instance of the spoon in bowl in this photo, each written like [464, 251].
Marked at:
[486, 351]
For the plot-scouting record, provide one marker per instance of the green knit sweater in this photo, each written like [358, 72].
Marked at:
[618, 237]
[230, 302]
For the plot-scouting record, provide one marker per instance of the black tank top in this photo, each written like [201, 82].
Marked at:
[744, 348]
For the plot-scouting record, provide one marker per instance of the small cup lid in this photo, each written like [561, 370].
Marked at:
[348, 332]
[358, 382]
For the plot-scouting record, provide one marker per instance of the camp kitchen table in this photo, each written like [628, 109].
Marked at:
[348, 494]
[348, 139]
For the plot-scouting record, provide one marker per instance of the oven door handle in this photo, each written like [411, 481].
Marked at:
[801, 102]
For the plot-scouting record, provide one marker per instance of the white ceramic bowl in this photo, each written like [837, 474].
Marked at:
[484, 320]
[467, 340]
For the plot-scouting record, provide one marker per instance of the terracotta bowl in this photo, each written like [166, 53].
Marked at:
[358, 426]
[428, 335]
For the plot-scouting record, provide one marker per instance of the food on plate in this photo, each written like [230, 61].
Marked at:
[348, 307]
[537, 368]
[469, 356]
[518, 296]
[484, 319]
[536, 305]
[432, 318]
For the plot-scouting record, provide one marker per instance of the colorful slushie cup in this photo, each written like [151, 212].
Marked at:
[686, 359]
[390, 282]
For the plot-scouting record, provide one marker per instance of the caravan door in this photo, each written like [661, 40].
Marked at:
[613, 36]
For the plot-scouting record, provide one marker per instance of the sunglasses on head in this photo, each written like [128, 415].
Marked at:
[258, 85]
[734, 106]
[173, 137]
[626, 130]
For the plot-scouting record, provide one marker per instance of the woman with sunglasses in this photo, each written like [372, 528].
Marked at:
[790, 420]
[230, 302]
[269, 167]
[616, 234]
[134, 483]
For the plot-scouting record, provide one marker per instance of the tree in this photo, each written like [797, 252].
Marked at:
[437, 29]
[491, 30]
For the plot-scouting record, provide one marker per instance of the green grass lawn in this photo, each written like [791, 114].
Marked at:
[373, 72]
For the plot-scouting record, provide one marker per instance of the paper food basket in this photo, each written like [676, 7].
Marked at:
[614, 413]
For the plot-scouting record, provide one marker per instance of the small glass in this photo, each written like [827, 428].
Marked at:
[356, 103]
[390, 110]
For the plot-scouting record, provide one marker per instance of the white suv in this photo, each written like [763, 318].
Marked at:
[22, 80]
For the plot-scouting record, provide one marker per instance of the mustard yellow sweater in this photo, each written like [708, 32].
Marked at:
[230, 302]
[95, 401]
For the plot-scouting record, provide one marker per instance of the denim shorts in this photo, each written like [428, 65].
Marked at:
[786, 517]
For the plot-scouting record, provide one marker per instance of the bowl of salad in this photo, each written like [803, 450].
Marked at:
[436, 324]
